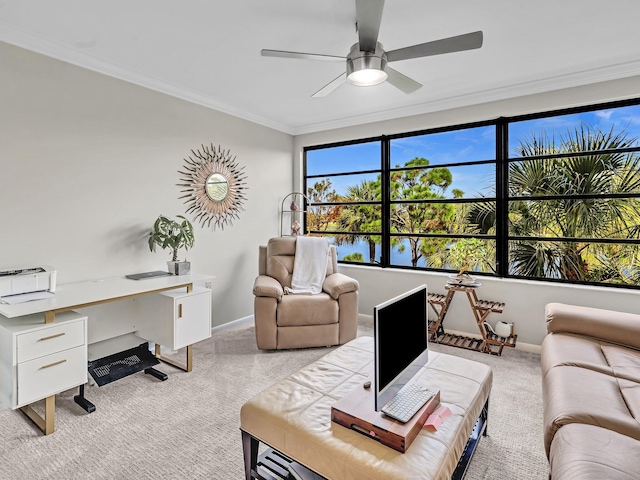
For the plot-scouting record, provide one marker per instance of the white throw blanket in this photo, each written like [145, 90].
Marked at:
[309, 265]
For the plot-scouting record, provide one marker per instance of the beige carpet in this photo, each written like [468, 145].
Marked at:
[188, 426]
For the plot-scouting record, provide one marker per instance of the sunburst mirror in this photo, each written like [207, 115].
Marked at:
[214, 186]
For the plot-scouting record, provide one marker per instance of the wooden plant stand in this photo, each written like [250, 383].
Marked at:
[489, 343]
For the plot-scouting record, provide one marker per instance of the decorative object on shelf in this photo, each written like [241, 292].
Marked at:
[214, 186]
[465, 253]
[503, 329]
[465, 280]
[292, 214]
[173, 235]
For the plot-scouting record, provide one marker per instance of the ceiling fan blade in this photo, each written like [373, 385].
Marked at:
[402, 82]
[331, 86]
[368, 18]
[468, 41]
[304, 56]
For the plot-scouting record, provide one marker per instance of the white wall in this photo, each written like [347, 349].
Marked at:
[524, 300]
[88, 162]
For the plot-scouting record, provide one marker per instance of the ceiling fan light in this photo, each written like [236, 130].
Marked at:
[367, 77]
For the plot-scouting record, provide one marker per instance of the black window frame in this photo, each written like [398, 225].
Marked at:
[502, 200]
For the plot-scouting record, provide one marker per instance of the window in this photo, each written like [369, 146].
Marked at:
[435, 180]
[553, 196]
[345, 203]
[574, 188]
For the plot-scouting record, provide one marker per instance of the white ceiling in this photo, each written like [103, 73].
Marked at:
[208, 51]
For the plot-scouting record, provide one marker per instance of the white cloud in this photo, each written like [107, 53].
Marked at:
[604, 114]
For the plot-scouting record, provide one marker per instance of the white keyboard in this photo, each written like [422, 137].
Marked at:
[407, 402]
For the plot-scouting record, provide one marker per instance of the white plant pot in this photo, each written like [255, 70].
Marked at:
[503, 329]
[179, 268]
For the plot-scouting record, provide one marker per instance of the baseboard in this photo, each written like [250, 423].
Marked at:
[524, 347]
[241, 322]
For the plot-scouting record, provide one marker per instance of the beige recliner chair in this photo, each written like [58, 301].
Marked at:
[297, 321]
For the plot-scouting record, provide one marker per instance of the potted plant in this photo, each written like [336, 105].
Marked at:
[466, 253]
[173, 235]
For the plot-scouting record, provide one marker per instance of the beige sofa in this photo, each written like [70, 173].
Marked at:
[299, 321]
[591, 391]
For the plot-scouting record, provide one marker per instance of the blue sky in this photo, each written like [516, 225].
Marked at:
[621, 118]
[460, 146]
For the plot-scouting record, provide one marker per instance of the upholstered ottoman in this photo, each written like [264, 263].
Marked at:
[293, 417]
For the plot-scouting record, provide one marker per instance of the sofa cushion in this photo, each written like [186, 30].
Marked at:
[580, 395]
[281, 258]
[575, 350]
[295, 310]
[587, 452]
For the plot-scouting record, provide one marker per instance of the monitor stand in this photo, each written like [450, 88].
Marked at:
[356, 411]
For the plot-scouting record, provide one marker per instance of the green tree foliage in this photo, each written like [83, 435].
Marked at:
[321, 217]
[467, 253]
[600, 173]
[416, 184]
[362, 219]
[354, 257]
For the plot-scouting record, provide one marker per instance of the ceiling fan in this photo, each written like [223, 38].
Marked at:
[367, 60]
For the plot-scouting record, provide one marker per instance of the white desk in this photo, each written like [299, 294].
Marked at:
[48, 335]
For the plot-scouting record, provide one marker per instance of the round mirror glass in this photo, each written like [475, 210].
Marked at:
[217, 187]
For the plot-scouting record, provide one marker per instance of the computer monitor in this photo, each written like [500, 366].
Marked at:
[401, 334]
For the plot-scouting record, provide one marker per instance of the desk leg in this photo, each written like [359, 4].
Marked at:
[46, 423]
[186, 367]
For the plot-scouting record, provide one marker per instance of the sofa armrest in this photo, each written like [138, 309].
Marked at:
[338, 283]
[265, 286]
[609, 325]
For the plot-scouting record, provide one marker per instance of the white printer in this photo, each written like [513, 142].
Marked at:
[17, 281]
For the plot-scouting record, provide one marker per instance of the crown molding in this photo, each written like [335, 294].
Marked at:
[505, 92]
[28, 41]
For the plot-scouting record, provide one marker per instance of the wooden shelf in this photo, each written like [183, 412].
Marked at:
[489, 343]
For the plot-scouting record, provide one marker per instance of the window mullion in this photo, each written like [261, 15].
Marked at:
[385, 193]
[502, 194]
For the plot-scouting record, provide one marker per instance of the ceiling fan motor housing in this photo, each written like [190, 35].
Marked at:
[366, 68]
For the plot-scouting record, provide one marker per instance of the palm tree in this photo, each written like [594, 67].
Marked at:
[361, 218]
[580, 206]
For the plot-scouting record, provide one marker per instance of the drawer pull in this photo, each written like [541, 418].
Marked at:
[179, 310]
[53, 364]
[52, 336]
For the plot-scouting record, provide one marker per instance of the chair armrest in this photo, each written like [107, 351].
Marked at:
[265, 286]
[338, 283]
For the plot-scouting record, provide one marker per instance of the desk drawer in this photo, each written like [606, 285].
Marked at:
[44, 341]
[45, 376]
